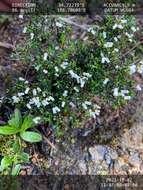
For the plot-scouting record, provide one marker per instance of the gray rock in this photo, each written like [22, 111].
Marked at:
[113, 154]
[108, 159]
[82, 167]
[97, 152]
[134, 159]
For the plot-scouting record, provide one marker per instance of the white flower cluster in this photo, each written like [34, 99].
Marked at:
[59, 24]
[91, 30]
[123, 93]
[136, 68]
[104, 59]
[93, 109]
[95, 112]
[39, 97]
[80, 80]
[108, 45]
[120, 24]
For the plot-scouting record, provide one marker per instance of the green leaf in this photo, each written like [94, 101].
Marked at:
[16, 119]
[8, 130]
[16, 146]
[16, 169]
[24, 157]
[31, 136]
[6, 162]
[27, 123]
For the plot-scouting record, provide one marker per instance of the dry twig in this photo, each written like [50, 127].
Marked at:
[7, 45]
[49, 143]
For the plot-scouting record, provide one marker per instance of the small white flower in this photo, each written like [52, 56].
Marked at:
[97, 107]
[92, 31]
[39, 89]
[93, 114]
[26, 82]
[88, 103]
[50, 98]
[133, 69]
[130, 36]
[108, 45]
[27, 90]
[45, 71]
[116, 39]
[127, 97]
[36, 120]
[63, 104]
[1, 99]
[36, 101]
[105, 81]
[64, 65]
[97, 112]
[25, 30]
[138, 87]
[84, 106]
[21, 16]
[31, 36]
[44, 94]
[56, 110]
[28, 106]
[37, 67]
[140, 68]
[34, 91]
[15, 99]
[123, 93]
[57, 47]
[116, 50]
[21, 79]
[45, 56]
[82, 83]
[133, 29]
[74, 75]
[88, 75]
[105, 59]
[20, 94]
[119, 26]
[56, 69]
[56, 74]
[76, 89]
[65, 93]
[45, 102]
[104, 35]
[72, 104]
[115, 92]
[124, 21]
[59, 24]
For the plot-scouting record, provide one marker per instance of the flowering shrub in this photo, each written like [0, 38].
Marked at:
[64, 74]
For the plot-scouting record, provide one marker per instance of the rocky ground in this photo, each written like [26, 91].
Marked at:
[123, 155]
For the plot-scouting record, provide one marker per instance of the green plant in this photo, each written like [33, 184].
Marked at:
[15, 156]
[65, 74]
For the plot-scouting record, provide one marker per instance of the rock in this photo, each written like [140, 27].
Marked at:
[113, 154]
[82, 167]
[108, 159]
[97, 152]
[134, 159]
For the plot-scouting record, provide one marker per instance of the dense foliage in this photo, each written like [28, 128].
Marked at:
[65, 73]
